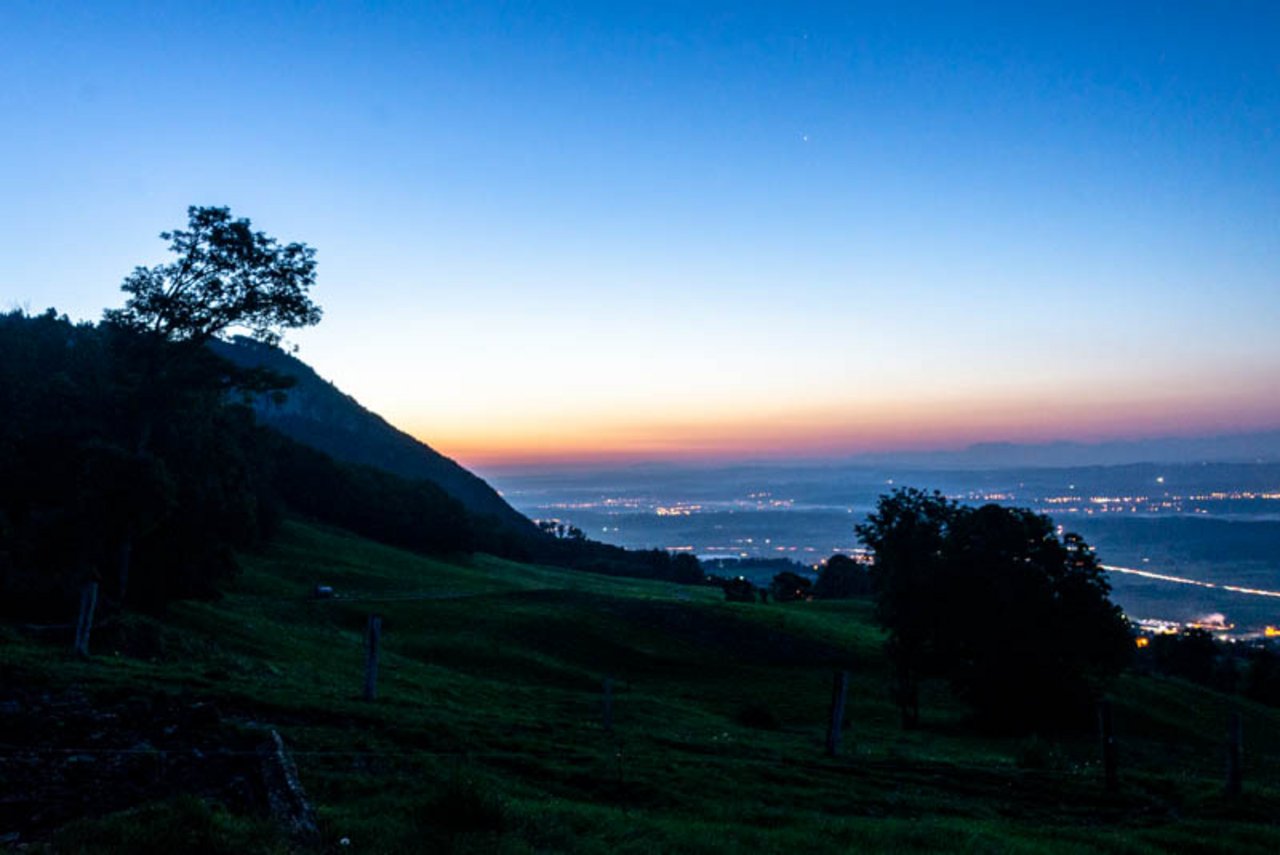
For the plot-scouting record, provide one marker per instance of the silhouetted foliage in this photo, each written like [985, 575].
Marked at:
[170, 390]
[1019, 621]
[1194, 654]
[415, 515]
[226, 277]
[560, 530]
[582, 553]
[906, 533]
[738, 590]
[842, 578]
[788, 587]
[79, 500]
[687, 569]
[317, 414]
[1262, 678]
[1191, 654]
[1251, 669]
[222, 504]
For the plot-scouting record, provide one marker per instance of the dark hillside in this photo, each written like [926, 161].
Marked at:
[318, 414]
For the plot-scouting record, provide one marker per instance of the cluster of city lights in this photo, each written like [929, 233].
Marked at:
[680, 510]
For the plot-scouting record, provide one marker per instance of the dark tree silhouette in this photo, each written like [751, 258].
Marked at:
[842, 578]
[738, 590]
[227, 277]
[79, 500]
[1191, 654]
[906, 533]
[1019, 621]
[1027, 629]
[787, 587]
[686, 569]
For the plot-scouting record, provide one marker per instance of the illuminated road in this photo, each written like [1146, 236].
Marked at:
[1182, 580]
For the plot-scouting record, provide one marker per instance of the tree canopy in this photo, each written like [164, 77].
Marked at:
[226, 277]
[842, 578]
[1016, 618]
[788, 587]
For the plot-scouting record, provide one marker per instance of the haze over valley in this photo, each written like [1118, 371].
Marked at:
[1204, 527]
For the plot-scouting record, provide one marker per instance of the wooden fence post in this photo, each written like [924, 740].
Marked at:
[88, 601]
[372, 638]
[839, 691]
[1235, 739]
[1108, 736]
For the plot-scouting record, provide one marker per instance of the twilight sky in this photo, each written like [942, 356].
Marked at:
[568, 231]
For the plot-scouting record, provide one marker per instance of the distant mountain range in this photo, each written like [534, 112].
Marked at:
[1258, 447]
[318, 414]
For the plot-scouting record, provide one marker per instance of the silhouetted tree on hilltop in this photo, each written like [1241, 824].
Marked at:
[227, 277]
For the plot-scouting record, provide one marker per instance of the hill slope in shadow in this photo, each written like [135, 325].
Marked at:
[318, 414]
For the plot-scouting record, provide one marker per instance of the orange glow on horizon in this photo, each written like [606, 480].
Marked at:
[812, 432]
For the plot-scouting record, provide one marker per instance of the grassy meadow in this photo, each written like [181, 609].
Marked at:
[487, 734]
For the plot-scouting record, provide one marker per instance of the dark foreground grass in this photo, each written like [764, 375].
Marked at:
[487, 733]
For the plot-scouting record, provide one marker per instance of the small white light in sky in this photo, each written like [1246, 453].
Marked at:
[804, 137]
[1160, 479]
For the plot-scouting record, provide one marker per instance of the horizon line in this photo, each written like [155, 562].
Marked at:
[623, 459]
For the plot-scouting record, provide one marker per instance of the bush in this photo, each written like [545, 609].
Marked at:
[788, 587]
[842, 578]
[738, 590]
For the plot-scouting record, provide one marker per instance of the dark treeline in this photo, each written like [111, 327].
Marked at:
[119, 465]
[1251, 670]
[581, 553]
[132, 462]
[135, 462]
[839, 578]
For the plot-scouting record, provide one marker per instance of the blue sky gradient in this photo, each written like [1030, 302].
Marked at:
[564, 231]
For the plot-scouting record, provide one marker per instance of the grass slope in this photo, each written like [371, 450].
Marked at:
[487, 733]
